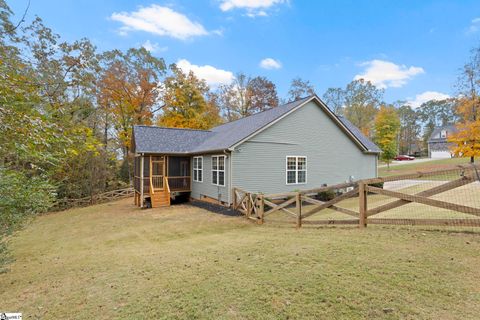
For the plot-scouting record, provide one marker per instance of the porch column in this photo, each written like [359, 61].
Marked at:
[141, 181]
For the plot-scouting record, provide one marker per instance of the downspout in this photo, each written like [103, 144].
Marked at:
[141, 180]
[230, 175]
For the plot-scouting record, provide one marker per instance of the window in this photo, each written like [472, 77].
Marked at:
[296, 170]
[198, 169]
[443, 134]
[218, 170]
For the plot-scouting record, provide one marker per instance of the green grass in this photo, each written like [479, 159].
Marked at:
[410, 167]
[116, 261]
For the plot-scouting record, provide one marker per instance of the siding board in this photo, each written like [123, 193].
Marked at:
[206, 187]
[332, 157]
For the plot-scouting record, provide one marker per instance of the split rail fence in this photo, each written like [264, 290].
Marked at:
[63, 204]
[446, 197]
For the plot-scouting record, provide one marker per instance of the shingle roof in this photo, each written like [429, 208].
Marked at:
[228, 134]
[367, 143]
[149, 139]
[450, 128]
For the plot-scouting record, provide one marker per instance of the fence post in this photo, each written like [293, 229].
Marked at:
[362, 192]
[261, 208]
[234, 198]
[249, 205]
[299, 209]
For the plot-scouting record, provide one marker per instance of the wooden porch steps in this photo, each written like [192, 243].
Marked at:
[160, 199]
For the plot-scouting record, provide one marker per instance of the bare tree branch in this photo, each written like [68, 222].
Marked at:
[23, 17]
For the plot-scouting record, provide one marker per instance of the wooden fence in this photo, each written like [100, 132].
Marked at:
[369, 203]
[63, 204]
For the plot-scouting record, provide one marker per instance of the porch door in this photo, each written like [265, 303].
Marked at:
[158, 172]
[183, 168]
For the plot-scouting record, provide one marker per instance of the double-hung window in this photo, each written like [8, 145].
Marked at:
[296, 170]
[198, 169]
[218, 170]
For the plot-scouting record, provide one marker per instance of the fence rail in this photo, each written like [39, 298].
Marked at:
[63, 204]
[446, 197]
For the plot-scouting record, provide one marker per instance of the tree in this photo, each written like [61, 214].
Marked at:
[387, 126]
[187, 102]
[467, 139]
[409, 129]
[435, 113]
[335, 100]
[361, 104]
[360, 99]
[129, 90]
[438, 112]
[300, 89]
[246, 96]
[262, 94]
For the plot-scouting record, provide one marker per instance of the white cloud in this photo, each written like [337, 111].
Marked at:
[213, 76]
[474, 26]
[427, 96]
[269, 63]
[153, 47]
[384, 74]
[254, 7]
[159, 20]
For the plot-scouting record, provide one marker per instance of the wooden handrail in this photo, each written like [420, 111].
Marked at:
[165, 183]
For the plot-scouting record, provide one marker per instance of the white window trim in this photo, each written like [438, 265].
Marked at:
[224, 169]
[193, 169]
[296, 170]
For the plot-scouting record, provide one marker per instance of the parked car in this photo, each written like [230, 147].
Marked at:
[403, 158]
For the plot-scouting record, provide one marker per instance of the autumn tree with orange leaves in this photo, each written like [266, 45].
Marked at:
[187, 102]
[129, 91]
[466, 140]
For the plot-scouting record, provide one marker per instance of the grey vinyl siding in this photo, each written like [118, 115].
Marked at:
[259, 164]
[206, 188]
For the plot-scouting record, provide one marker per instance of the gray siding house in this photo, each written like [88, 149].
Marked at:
[299, 145]
[438, 145]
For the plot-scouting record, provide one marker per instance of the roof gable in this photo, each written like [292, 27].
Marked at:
[436, 133]
[346, 126]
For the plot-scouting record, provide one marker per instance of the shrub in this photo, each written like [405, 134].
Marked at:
[377, 185]
[326, 195]
[21, 197]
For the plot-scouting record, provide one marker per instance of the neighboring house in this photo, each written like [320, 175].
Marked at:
[438, 145]
[299, 145]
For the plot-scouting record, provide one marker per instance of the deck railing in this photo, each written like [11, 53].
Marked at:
[181, 183]
[159, 182]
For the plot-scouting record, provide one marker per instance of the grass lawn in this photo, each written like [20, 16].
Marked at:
[117, 261]
[411, 166]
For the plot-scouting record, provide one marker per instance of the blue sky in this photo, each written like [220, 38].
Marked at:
[412, 49]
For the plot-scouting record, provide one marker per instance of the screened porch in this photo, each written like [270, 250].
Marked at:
[161, 173]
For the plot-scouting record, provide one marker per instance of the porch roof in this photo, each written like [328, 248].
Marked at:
[149, 139]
